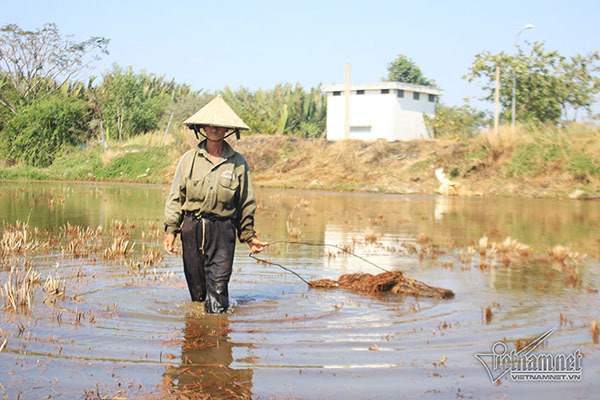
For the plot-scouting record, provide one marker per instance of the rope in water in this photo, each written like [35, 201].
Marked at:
[251, 255]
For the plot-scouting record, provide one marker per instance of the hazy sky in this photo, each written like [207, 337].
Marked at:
[257, 44]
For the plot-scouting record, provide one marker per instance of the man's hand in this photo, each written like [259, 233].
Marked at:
[257, 245]
[169, 244]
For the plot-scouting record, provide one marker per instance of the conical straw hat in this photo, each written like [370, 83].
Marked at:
[217, 113]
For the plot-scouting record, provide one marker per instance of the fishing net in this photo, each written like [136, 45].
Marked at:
[386, 282]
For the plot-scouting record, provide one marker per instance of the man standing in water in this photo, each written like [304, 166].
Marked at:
[211, 199]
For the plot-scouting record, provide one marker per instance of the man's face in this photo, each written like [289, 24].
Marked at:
[215, 132]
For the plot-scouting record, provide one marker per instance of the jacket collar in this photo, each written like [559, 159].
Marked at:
[227, 150]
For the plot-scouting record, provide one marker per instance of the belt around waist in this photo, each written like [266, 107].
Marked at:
[211, 217]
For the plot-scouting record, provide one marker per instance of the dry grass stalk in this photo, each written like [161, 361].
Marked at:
[152, 257]
[54, 289]
[162, 277]
[595, 331]
[502, 143]
[292, 233]
[121, 228]
[118, 249]
[76, 247]
[17, 293]
[17, 240]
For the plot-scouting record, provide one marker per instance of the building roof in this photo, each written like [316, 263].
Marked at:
[383, 85]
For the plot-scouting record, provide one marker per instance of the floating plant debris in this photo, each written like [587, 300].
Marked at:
[386, 282]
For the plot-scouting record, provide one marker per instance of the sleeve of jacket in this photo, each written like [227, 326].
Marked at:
[173, 212]
[246, 207]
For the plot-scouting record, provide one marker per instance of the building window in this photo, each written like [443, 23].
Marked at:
[337, 93]
[416, 95]
[400, 93]
[385, 91]
[360, 130]
[360, 92]
[432, 98]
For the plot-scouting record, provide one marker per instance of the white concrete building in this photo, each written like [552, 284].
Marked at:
[385, 110]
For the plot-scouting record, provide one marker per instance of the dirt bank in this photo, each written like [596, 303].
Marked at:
[402, 167]
[551, 162]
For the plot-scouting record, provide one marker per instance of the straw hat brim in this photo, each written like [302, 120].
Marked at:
[217, 113]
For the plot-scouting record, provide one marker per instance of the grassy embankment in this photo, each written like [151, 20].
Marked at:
[551, 162]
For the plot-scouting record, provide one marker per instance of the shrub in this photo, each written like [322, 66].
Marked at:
[41, 131]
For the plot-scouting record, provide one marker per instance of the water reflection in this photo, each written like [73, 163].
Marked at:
[206, 356]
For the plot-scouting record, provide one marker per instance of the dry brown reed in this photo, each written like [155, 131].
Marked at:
[152, 257]
[17, 240]
[17, 292]
[564, 255]
[119, 248]
[54, 289]
[76, 247]
[121, 228]
[69, 231]
[292, 232]
[507, 252]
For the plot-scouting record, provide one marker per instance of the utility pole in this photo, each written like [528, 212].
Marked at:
[347, 108]
[162, 143]
[497, 100]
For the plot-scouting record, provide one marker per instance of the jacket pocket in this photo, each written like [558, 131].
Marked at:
[228, 186]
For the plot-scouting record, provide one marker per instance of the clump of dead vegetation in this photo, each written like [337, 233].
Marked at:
[17, 240]
[17, 292]
[54, 289]
[386, 282]
[564, 255]
[508, 252]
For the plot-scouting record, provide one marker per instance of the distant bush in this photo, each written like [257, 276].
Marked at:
[455, 122]
[41, 131]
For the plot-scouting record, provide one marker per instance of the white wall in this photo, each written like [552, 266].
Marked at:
[389, 116]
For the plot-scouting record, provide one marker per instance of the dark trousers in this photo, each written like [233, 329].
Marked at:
[208, 250]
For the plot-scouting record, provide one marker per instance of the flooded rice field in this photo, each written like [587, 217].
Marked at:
[93, 308]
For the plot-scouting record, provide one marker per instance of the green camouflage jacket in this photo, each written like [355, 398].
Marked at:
[223, 188]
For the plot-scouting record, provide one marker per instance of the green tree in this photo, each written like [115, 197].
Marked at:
[38, 63]
[581, 82]
[41, 130]
[403, 69]
[284, 110]
[547, 84]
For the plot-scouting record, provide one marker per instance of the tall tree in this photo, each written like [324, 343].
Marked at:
[547, 84]
[403, 69]
[38, 63]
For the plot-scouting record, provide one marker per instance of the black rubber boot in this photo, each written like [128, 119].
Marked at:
[217, 298]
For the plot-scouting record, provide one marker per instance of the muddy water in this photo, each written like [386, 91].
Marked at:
[139, 336]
